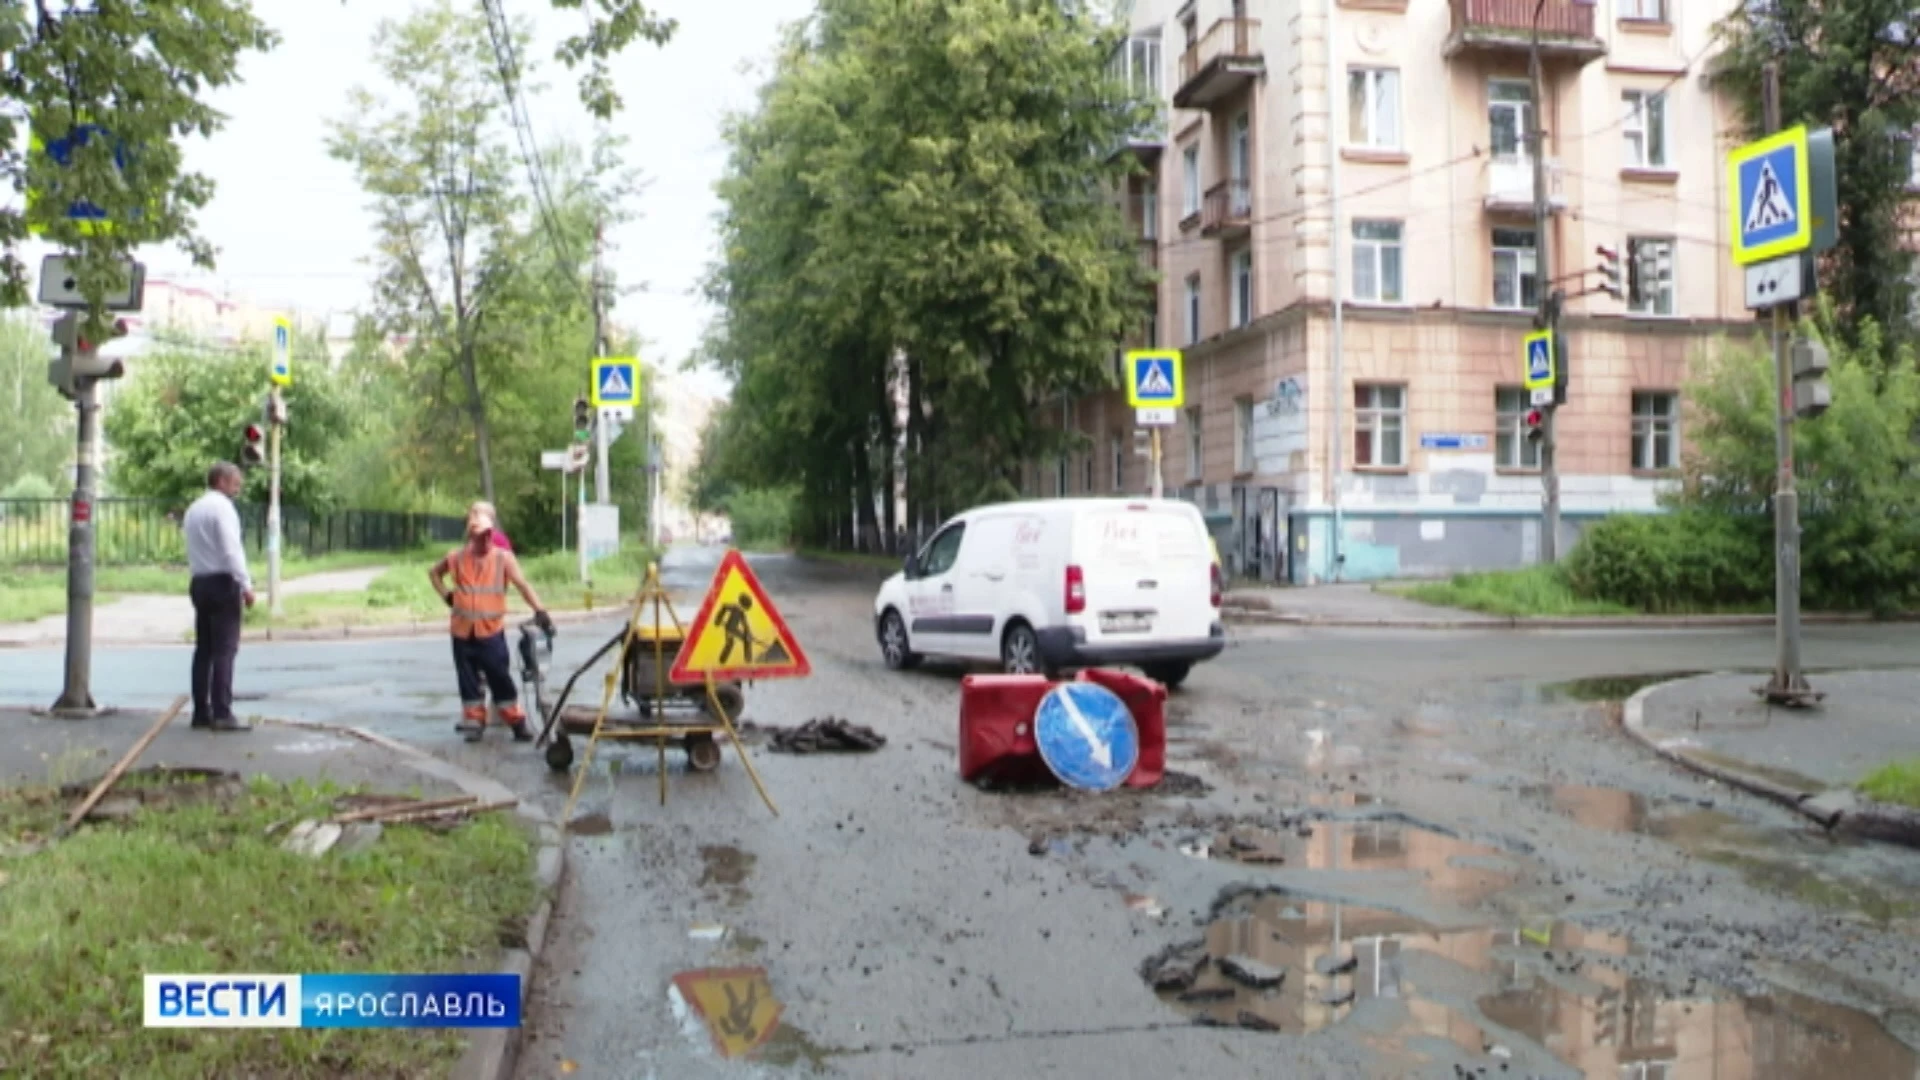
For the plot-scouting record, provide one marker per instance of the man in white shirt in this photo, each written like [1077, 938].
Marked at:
[221, 590]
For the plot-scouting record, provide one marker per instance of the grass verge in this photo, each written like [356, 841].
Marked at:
[33, 592]
[853, 558]
[1534, 591]
[199, 887]
[1895, 782]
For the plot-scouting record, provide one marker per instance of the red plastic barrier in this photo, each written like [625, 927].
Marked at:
[1147, 701]
[996, 728]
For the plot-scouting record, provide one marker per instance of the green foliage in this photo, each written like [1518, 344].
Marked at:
[761, 519]
[36, 423]
[1679, 562]
[1854, 65]
[139, 69]
[1895, 782]
[919, 209]
[181, 409]
[1534, 591]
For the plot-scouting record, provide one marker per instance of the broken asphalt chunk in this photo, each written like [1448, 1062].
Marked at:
[1247, 971]
[1175, 967]
[1336, 965]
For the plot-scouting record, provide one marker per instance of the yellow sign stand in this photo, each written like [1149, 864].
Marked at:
[658, 638]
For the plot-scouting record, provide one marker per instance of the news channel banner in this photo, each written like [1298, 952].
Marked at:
[332, 1001]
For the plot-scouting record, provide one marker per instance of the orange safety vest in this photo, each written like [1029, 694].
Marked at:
[479, 594]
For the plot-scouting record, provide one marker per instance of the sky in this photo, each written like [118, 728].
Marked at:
[290, 223]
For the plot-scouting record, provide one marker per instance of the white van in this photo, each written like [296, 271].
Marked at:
[1060, 583]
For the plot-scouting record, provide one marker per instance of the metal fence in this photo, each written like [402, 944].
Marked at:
[133, 531]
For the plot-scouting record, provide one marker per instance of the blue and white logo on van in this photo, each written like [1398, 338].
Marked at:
[1087, 736]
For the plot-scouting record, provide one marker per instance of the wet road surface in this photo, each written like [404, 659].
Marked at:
[1417, 852]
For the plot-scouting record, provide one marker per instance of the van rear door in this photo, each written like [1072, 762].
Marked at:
[1146, 571]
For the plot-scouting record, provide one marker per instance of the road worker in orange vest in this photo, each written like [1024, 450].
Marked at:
[478, 598]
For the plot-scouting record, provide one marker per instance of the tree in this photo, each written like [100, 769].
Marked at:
[919, 208]
[1853, 65]
[185, 407]
[36, 439]
[136, 70]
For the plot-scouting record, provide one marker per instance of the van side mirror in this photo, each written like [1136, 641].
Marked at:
[910, 566]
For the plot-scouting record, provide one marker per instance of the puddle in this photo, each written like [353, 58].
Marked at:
[1454, 869]
[1608, 687]
[597, 824]
[1530, 995]
[1834, 873]
[728, 867]
[1601, 808]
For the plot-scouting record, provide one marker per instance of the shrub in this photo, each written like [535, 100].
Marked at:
[1687, 560]
[761, 518]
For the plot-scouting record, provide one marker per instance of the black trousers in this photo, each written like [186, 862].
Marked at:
[484, 659]
[218, 608]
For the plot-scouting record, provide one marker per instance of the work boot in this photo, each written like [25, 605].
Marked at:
[516, 720]
[473, 722]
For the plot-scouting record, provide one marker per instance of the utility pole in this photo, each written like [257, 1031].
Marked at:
[602, 482]
[1548, 317]
[276, 420]
[1153, 463]
[76, 699]
[1789, 683]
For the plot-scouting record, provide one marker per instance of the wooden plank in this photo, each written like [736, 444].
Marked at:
[120, 767]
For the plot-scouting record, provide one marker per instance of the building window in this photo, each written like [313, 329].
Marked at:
[1150, 212]
[1189, 182]
[1373, 108]
[1377, 262]
[1242, 288]
[1193, 442]
[1511, 447]
[1193, 309]
[1153, 325]
[1515, 281]
[1656, 430]
[1379, 426]
[1643, 10]
[1652, 259]
[1509, 119]
[1117, 460]
[1086, 472]
[1645, 129]
[1240, 163]
[1243, 435]
[1060, 476]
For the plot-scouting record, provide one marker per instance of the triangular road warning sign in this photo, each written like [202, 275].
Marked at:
[1155, 382]
[614, 385]
[1769, 207]
[738, 633]
[737, 1005]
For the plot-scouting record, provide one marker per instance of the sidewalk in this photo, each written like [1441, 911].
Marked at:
[1806, 759]
[169, 619]
[36, 750]
[1360, 605]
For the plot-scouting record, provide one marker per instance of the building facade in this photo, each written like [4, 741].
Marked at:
[1339, 203]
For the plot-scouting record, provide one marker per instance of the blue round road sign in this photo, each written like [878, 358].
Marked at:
[1087, 736]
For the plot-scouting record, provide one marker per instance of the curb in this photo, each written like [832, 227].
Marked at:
[491, 1052]
[1834, 809]
[1236, 613]
[368, 632]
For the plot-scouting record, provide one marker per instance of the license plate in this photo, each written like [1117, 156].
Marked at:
[1125, 622]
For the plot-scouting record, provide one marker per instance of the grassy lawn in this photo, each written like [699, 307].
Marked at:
[1895, 782]
[200, 887]
[1536, 590]
[32, 592]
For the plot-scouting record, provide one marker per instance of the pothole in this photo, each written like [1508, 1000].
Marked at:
[1609, 687]
[1520, 994]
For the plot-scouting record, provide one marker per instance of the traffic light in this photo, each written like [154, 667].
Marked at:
[1536, 425]
[254, 451]
[1812, 394]
[87, 361]
[582, 418]
[1609, 270]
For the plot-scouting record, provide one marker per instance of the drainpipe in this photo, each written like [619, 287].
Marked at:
[1335, 464]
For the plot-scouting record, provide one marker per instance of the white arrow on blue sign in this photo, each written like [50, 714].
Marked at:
[1087, 736]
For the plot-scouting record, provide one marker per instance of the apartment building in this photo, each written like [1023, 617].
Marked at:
[1340, 205]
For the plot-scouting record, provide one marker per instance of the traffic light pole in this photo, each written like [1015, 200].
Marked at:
[1789, 683]
[275, 411]
[1548, 315]
[76, 700]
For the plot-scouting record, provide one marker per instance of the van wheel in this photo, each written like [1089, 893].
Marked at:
[894, 644]
[1171, 675]
[1020, 652]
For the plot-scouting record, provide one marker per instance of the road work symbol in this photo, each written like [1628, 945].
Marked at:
[1770, 207]
[736, 1004]
[1086, 736]
[738, 633]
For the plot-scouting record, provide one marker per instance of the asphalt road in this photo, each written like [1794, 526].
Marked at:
[1521, 886]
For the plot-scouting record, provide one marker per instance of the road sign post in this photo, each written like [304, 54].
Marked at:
[1156, 388]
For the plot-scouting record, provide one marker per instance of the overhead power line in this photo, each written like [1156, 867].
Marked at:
[509, 63]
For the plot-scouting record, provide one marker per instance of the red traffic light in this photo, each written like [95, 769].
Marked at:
[254, 434]
[253, 453]
[1607, 254]
[1535, 419]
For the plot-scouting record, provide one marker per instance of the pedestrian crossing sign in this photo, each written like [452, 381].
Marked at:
[280, 369]
[738, 633]
[1155, 380]
[616, 382]
[1538, 373]
[1772, 183]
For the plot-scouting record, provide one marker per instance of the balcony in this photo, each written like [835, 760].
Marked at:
[1227, 210]
[1149, 253]
[1223, 62]
[1503, 28]
[1509, 186]
[1147, 139]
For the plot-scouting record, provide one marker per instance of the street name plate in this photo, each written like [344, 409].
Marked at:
[1153, 417]
[1543, 396]
[1775, 282]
